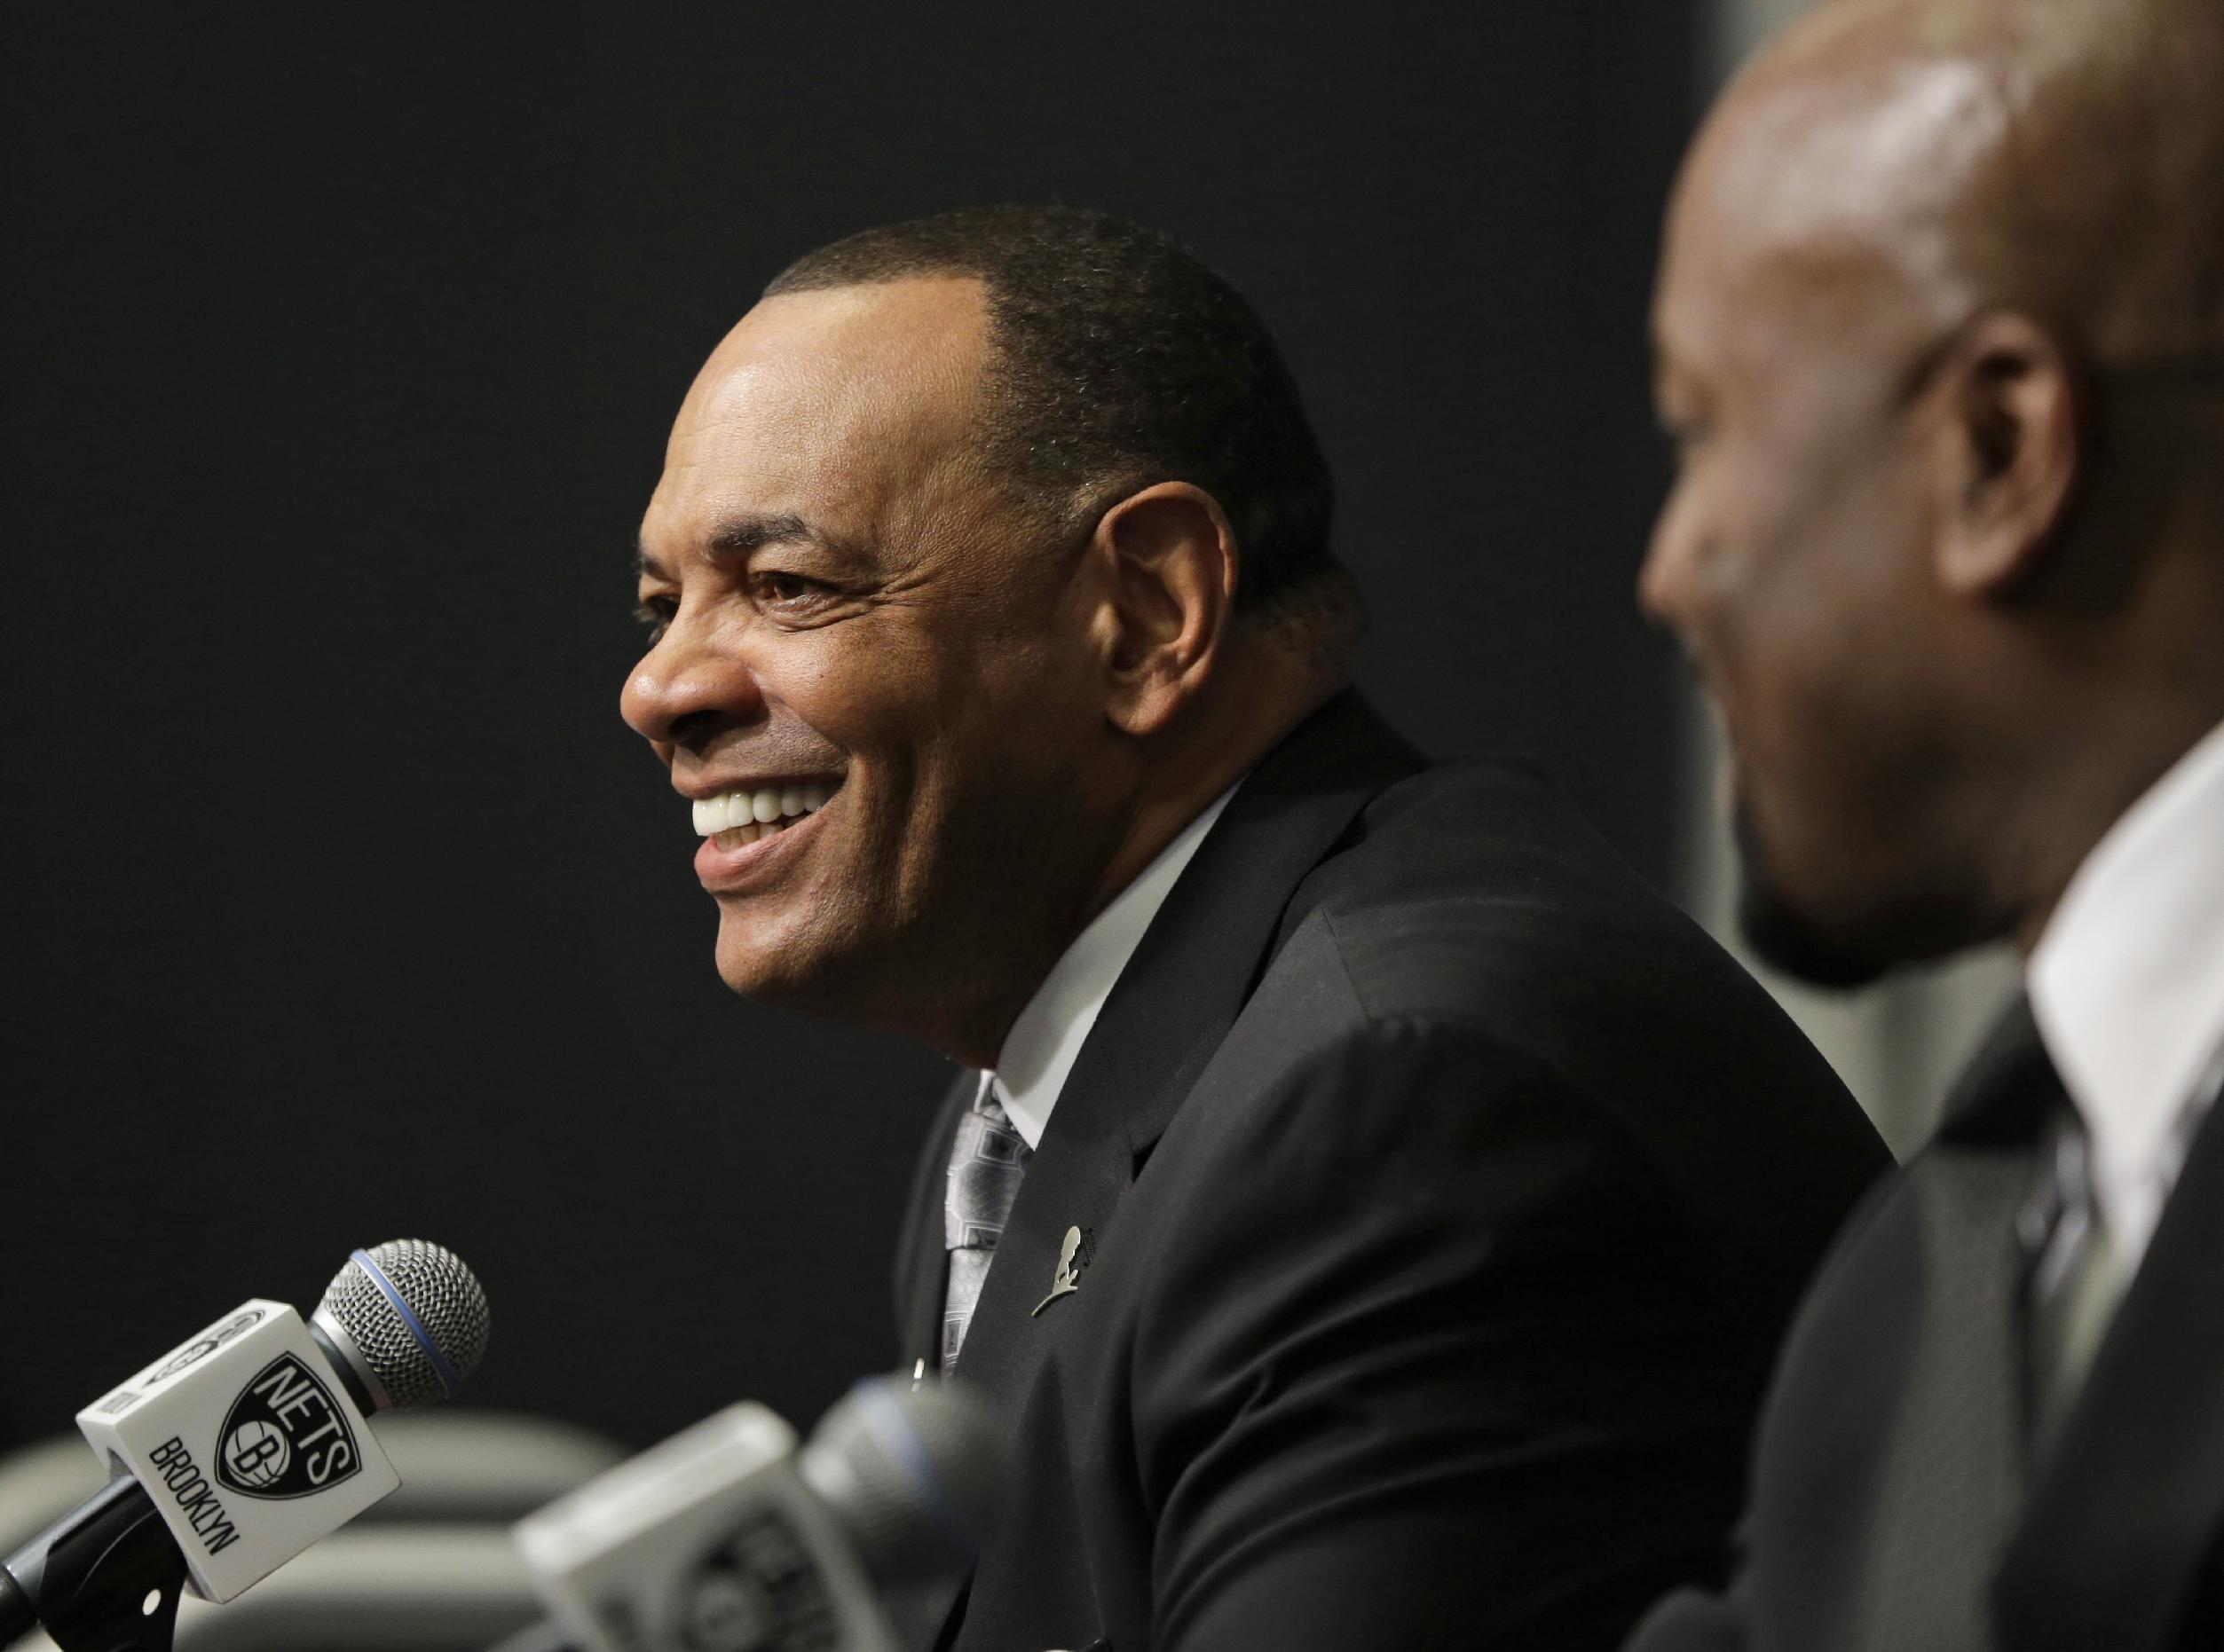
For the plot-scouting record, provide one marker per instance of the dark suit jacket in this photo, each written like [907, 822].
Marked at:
[1894, 1503]
[1446, 1193]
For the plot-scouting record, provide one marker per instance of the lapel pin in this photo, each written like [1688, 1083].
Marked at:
[1073, 1256]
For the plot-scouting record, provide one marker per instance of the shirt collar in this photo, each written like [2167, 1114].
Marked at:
[1044, 1043]
[2128, 979]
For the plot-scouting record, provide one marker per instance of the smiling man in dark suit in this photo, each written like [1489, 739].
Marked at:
[1941, 321]
[1371, 1206]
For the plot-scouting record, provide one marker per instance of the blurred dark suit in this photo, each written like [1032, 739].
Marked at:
[1445, 1193]
[1895, 1490]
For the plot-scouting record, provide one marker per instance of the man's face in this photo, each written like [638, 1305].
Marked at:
[1793, 556]
[857, 635]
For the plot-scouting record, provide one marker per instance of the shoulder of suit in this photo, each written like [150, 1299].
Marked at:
[1476, 889]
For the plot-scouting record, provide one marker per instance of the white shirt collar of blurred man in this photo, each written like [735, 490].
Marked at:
[2127, 987]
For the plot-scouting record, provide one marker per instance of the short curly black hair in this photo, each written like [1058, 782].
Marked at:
[1120, 360]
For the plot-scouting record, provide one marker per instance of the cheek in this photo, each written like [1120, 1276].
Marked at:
[865, 688]
[1830, 698]
[1806, 578]
[944, 732]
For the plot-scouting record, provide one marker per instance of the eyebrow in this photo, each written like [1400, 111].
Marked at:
[735, 536]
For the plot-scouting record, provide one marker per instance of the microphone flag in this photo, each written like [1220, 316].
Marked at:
[248, 1449]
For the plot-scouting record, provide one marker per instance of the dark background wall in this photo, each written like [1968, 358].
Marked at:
[338, 904]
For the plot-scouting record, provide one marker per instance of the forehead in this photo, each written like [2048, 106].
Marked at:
[1817, 216]
[832, 405]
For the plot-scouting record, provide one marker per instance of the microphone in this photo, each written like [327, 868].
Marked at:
[727, 1538]
[244, 1445]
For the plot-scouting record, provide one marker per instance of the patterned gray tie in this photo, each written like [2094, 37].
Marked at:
[2074, 1276]
[2077, 1274]
[986, 1164]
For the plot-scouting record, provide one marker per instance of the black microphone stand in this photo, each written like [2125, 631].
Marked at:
[104, 1577]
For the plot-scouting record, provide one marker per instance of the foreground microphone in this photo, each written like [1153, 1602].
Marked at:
[727, 1536]
[236, 1452]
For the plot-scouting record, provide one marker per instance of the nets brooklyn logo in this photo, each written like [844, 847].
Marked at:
[285, 1436]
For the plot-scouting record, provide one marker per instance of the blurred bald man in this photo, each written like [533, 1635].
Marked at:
[1941, 334]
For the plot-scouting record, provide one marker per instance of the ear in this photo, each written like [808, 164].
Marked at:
[2009, 455]
[1171, 559]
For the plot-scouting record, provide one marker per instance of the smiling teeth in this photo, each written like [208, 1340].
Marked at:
[745, 816]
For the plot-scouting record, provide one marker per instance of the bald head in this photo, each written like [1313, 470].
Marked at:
[1941, 337]
[2061, 157]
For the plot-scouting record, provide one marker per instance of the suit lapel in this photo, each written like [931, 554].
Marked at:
[2128, 1507]
[1948, 1465]
[2009, 1089]
[1172, 1006]
[1947, 1454]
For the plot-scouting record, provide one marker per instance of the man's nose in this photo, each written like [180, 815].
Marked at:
[689, 687]
[1663, 579]
[1652, 585]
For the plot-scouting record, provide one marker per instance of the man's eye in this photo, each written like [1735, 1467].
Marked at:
[656, 613]
[793, 593]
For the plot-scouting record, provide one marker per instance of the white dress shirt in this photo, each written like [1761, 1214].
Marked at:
[1041, 1048]
[2127, 987]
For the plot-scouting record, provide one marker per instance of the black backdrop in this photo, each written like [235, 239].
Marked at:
[339, 905]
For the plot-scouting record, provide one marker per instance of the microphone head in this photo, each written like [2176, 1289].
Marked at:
[410, 1318]
[915, 1475]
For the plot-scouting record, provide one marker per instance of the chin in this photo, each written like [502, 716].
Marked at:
[808, 968]
[1855, 916]
[1786, 934]
[1786, 939]
[757, 962]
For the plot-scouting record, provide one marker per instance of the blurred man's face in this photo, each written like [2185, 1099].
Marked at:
[1793, 556]
[868, 672]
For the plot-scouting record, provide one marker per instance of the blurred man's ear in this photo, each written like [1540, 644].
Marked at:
[2008, 454]
[1171, 559]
